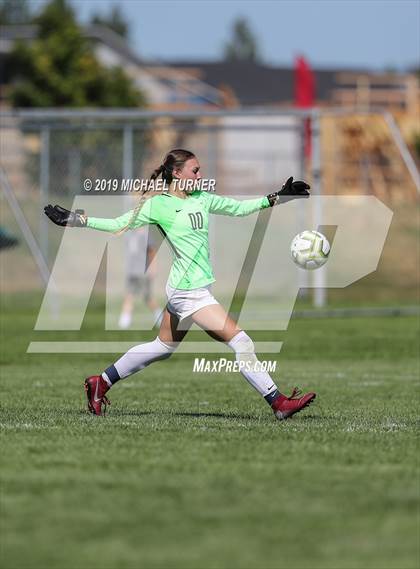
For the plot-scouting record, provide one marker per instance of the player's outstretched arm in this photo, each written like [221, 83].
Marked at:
[228, 206]
[290, 191]
[222, 205]
[63, 217]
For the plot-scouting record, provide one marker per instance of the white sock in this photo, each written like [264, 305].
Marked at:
[244, 349]
[140, 356]
[125, 320]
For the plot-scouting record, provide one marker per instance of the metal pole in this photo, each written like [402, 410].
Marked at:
[302, 276]
[24, 227]
[44, 183]
[127, 151]
[212, 141]
[127, 162]
[75, 169]
[402, 147]
[320, 292]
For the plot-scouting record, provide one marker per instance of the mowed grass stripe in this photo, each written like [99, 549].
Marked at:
[191, 470]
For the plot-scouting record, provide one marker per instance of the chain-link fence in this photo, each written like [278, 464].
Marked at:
[48, 155]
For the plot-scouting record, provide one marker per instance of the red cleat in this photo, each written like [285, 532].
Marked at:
[284, 407]
[96, 387]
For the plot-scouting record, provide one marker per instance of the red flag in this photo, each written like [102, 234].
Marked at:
[304, 84]
[304, 95]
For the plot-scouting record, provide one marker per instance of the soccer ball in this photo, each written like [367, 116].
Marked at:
[310, 250]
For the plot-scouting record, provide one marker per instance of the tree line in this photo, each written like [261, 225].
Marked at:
[59, 67]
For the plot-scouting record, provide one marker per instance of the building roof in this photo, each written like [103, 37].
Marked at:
[256, 83]
[11, 33]
[180, 86]
[217, 83]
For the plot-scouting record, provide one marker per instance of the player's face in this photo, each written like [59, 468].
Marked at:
[189, 171]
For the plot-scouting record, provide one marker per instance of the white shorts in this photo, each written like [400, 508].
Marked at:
[183, 303]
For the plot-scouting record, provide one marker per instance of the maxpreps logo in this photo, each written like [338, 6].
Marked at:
[264, 270]
[203, 365]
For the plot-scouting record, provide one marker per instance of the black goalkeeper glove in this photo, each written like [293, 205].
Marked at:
[290, 191]
[61, 216]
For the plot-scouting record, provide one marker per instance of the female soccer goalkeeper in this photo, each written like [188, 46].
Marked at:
[183, 218]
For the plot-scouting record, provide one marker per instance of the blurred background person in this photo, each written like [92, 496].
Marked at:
[140, 248]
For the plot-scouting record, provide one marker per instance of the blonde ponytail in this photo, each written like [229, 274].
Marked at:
[174, 159]
[143, 197]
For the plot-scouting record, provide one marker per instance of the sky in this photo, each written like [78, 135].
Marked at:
[372, 34]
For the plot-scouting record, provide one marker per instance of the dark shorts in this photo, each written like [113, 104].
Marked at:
[137, 285]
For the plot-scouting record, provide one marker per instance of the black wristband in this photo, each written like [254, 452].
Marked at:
[80, 219]
[273, 198]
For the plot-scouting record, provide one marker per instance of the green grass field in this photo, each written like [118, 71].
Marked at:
[192, 471]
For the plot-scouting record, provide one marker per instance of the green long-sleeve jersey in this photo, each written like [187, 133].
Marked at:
[185, 225]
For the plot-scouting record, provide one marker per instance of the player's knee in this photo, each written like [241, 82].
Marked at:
[242, 344]
[166, 348]
[244, 348]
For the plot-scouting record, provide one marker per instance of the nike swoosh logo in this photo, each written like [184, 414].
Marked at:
[177, 210]
[95, 397]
